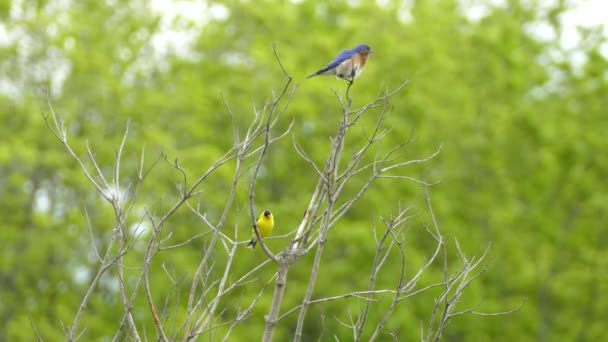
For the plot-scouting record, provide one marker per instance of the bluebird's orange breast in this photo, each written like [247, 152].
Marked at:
[360, 59]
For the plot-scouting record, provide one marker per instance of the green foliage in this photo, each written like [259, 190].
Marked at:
[521, 166]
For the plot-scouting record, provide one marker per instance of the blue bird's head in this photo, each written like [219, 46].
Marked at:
[363, 48]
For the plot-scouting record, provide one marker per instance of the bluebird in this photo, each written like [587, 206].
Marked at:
[348, 64]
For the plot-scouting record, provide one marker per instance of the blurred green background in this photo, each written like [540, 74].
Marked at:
[523, 121]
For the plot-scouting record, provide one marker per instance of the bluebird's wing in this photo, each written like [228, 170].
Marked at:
[341, 57]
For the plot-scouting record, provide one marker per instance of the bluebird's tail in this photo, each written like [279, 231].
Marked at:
[323, 71]
[313, 75]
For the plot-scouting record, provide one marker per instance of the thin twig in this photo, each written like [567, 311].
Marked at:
[38, 337]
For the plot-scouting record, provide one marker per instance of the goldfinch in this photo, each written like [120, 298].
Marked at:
[265, 224]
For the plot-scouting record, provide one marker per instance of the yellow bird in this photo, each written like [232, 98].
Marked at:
[265, 224]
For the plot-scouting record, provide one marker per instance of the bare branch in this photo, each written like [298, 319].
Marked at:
[390, 228]
[59, 130]
[118, 157]
[416, 161]
[521, 304]
[90, 227]
[364, 295]
[38, 337]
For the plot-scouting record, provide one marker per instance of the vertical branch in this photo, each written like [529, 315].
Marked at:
[220, 290]
[390, 226]
[38, 337]
[123, 249]
[104, 266]
[305, 227]
[123, 243]
[279, 290]
[283, 262]
[118, 158]
[372, 282]
[265, 146]
[150, 251]
[330, 173]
